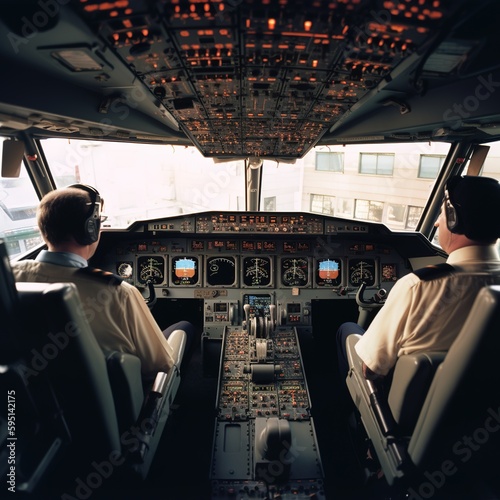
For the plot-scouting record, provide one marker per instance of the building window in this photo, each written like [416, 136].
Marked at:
[376, 164]
[270, 204]
[429, 166]
[369, 210]
[396, 213]
[322, 204]
[413, 217]
[330, 162]
[345, 207]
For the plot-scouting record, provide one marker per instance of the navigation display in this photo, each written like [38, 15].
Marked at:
[258, 302]
[221, 271]
[257, 271]
[294, 271]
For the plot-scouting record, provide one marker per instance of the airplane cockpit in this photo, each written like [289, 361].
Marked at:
[267, 171]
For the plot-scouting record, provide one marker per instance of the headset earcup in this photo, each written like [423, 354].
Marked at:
[451, 217]
[92, 224]
[92, 230]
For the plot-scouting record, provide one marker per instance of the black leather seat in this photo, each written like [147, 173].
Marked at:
[77, 408]
[442, 413]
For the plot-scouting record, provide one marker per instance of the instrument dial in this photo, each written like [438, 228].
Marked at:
[125, 269]
[294, 271]
[362, 271]
[257, 271]
[151, 269]
[221, 271]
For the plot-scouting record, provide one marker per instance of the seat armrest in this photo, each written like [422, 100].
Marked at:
[368, 392]
[153, 416]
[352, 356]
[142, 406]
[375, 414]
[355, 380]
[177, 340]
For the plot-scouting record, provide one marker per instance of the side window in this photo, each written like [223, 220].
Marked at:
[18, 202]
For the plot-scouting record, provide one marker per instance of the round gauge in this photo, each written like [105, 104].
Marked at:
[221, 271]
[185, 271]
[294, 271]
[328, 272]
[151, 269]
[257, 271]
[124, 269]
[362, 271]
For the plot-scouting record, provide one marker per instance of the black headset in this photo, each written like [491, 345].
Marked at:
[452, 220]
[92, 223]
[451, 213]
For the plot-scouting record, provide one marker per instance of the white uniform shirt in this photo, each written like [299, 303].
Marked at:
[117, 312]
[422, 315]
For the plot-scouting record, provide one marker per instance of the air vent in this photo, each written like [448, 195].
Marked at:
[55, 127]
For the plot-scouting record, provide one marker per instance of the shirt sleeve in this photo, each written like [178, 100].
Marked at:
[151, 346]
[378, 347]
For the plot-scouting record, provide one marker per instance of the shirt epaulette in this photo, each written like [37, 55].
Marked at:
[108, 277]
[434, 271]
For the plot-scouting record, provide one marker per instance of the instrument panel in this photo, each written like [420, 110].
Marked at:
[260, 250]
[256, 271]
[295, 259]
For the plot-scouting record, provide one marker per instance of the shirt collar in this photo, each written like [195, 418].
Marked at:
[473, 253]
[66, 259]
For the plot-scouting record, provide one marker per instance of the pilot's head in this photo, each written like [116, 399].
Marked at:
[70, 215]
[471, 208]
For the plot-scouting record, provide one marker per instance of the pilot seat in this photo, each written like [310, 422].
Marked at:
[437, 426]
[79, 416]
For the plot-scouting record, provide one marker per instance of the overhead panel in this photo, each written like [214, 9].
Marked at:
[257, 78]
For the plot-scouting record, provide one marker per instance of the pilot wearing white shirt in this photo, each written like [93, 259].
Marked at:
[426, 309]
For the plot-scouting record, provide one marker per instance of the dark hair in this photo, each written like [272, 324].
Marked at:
[476, 203]
[62, 214]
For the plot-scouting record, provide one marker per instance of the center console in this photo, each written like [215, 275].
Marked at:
[264, 443]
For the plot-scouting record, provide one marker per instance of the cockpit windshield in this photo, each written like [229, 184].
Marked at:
[383, 183]
[379, 183]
